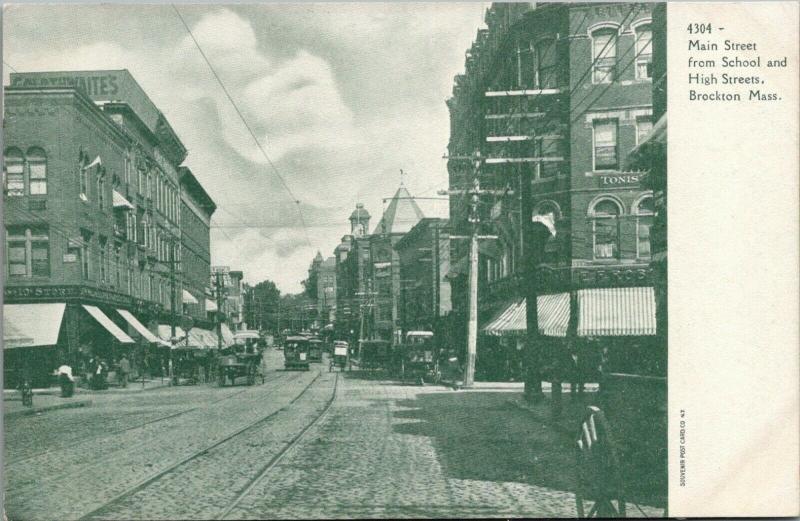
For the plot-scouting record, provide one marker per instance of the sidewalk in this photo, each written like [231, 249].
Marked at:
[12, 403]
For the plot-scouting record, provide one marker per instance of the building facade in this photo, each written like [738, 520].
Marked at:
[92, 212]
[353, 285]
[424, 259]
[552, 98]
[197, 207]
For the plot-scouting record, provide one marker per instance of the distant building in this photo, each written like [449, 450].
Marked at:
[352, 257]
[424, 257]
[92, 217]
[400, 216]
[323, 274]
[234, 302]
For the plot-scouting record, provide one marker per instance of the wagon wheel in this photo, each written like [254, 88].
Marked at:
[598, 469]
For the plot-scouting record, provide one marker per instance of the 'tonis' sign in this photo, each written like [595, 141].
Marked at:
[99, 85]
[631, 178]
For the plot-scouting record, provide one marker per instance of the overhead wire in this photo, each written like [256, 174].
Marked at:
[247, 125]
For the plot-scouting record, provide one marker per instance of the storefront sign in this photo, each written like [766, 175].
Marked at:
[548, 279]
[626, 179]
[70, 257]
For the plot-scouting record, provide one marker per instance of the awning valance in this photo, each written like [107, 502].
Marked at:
[138, 326]
[188, 298]
[108, 324]
[31, 325]
[119, 201]
[616, 312]
[553, 313]
[165, 333]
[246, 335]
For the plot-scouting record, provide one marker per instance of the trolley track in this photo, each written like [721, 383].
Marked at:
[105, 434]
[276, 459]
[54, 477]
[119, 499]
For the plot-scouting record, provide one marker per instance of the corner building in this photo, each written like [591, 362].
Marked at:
[552, 97]
[92, 213]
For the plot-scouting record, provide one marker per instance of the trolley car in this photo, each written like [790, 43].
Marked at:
[234, 363]
[419, 358]
[295, 353]
[315, 348]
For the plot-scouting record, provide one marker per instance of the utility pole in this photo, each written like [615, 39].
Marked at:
[218, 286]
[474, 220]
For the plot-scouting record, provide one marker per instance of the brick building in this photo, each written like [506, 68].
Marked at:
[197, 207]
[553, 96]
[424, 259]
[92, 214]
[322, 277]
[352, 258]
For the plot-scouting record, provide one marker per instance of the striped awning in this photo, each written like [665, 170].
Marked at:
[553, 311]
[108, 324]
[616, 312]
[510, 320]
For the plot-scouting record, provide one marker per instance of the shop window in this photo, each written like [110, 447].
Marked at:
[28, 252]
[644, 52]
[644, 125]
[644, 212]
[605, 145]
[605, 229]
[14, 166]
[604, 55]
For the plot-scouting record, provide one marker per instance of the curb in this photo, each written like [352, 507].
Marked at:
[36, 410]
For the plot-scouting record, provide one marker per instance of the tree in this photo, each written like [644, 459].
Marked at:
[262, 305]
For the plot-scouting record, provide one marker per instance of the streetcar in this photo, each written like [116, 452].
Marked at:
[418, 358]
[315, 348]
[339, 356]
[235, 362]
[295, 353]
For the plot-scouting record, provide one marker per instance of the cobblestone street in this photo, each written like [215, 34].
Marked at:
[380, 450]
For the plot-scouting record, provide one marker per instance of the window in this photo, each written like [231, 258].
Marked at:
[117, 267]
[644, 221]
[545, 69]
[37, 168]
[605, 229]
[83, 175]
[86, 239]
[101, 189]
[103, 258]
[130, 280]
[28, 252]
[605, 145]
[644, 125]
[14, 164]
[644, 52]
[604, 55]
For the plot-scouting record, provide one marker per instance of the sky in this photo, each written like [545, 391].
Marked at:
[340, 96]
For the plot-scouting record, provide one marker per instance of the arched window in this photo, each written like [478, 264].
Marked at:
[605, 215]
[545, 69]
[604, 55]
[101, 188]
[644, 221]
[37, 171]
[14, 166]
[644, 52]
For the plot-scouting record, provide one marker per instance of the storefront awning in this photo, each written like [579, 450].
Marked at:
[510, 320]
[108, 324]
[553, 312]
[211, 305]
[165, 333]
[227, 335]
[616, 312]
[138, 326]
[119, 201]
[188, 298]
[31, 325]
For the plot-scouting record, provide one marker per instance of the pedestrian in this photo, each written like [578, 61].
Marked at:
[66, 380]
[124, 370]
[575, 372]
